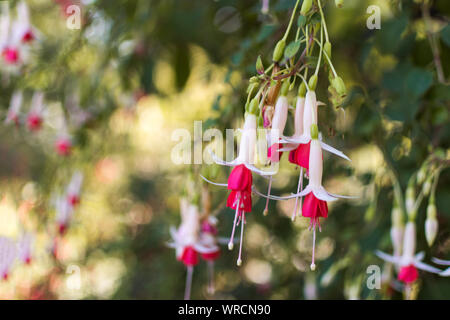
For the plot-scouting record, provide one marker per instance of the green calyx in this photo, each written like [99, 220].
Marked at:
[254, 106]
[339, 85]
[285, 88]
[306, 6]
[278, 52]
[302, 90]
[312, 83]
[314, 132]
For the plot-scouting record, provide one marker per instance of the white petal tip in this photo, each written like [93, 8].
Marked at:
[239, 262]
[313, 267]
[265, 212]
[230, 246]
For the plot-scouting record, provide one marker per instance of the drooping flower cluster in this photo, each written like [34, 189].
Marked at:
[16, 37]
[267, 108]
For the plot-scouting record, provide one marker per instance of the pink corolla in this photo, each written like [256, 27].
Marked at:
[8, 254]
[14, 108]
[408, 262]
[316, 197]
[186, 240]
[35, 116]
[24, 248]
[63, 145]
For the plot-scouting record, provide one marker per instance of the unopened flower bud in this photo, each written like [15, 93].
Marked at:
[339, 3]
[339, 85]
[279, 50]
[397, 216]
[327, 49]
[431, 224]
[306, 6]
[302, 90]
[259, 65]
[410, 199]
[312, 83]
[427, 186]
[421, 175]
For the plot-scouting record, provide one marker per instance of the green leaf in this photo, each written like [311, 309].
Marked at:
[445, 35]
[292, 49]
[418, 81]
[301, 21]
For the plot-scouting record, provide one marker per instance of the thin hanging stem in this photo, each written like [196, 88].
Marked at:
[187, 290]
[313, 265]
[211, 287]
[230, 243]
[291, 20]
[239, 260]
[266, 210]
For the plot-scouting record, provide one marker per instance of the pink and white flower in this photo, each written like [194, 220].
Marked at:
[36, 114]
[14, 108]
[408, 263]
[74, 189]
[64, 213]
[24, 248]
[8, 254]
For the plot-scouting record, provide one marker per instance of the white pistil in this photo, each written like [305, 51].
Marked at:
[187, 291]
[239, 260]
[313, 265]
[266, 210]
[230, 243]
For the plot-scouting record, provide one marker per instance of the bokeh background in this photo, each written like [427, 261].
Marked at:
[141, 69]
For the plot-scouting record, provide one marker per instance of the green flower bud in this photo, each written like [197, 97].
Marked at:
[279, 50]
[312, 83]
[254, 106]
[314, 131]
[339, 85]
[327, 49]
[422, 174]
[397, 217]
[260, 122]
[306, 6]
[339, 3]
[259, 65]
[427, 186]
[302, 90]
[285, 88]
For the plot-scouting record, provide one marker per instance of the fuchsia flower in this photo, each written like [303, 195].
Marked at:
[25, 30]
[64, 212]
[35, 116]
[63, 146]
[8, 254]
[240, 179]
[24, 247]
[316, 196]
[187, 241]
[14, 108]
[300, 141]
[408, 262]
[74, 189]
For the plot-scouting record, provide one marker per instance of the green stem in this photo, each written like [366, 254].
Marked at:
[291, 20]
[321, 50]
[323, 21]
[329, 61]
